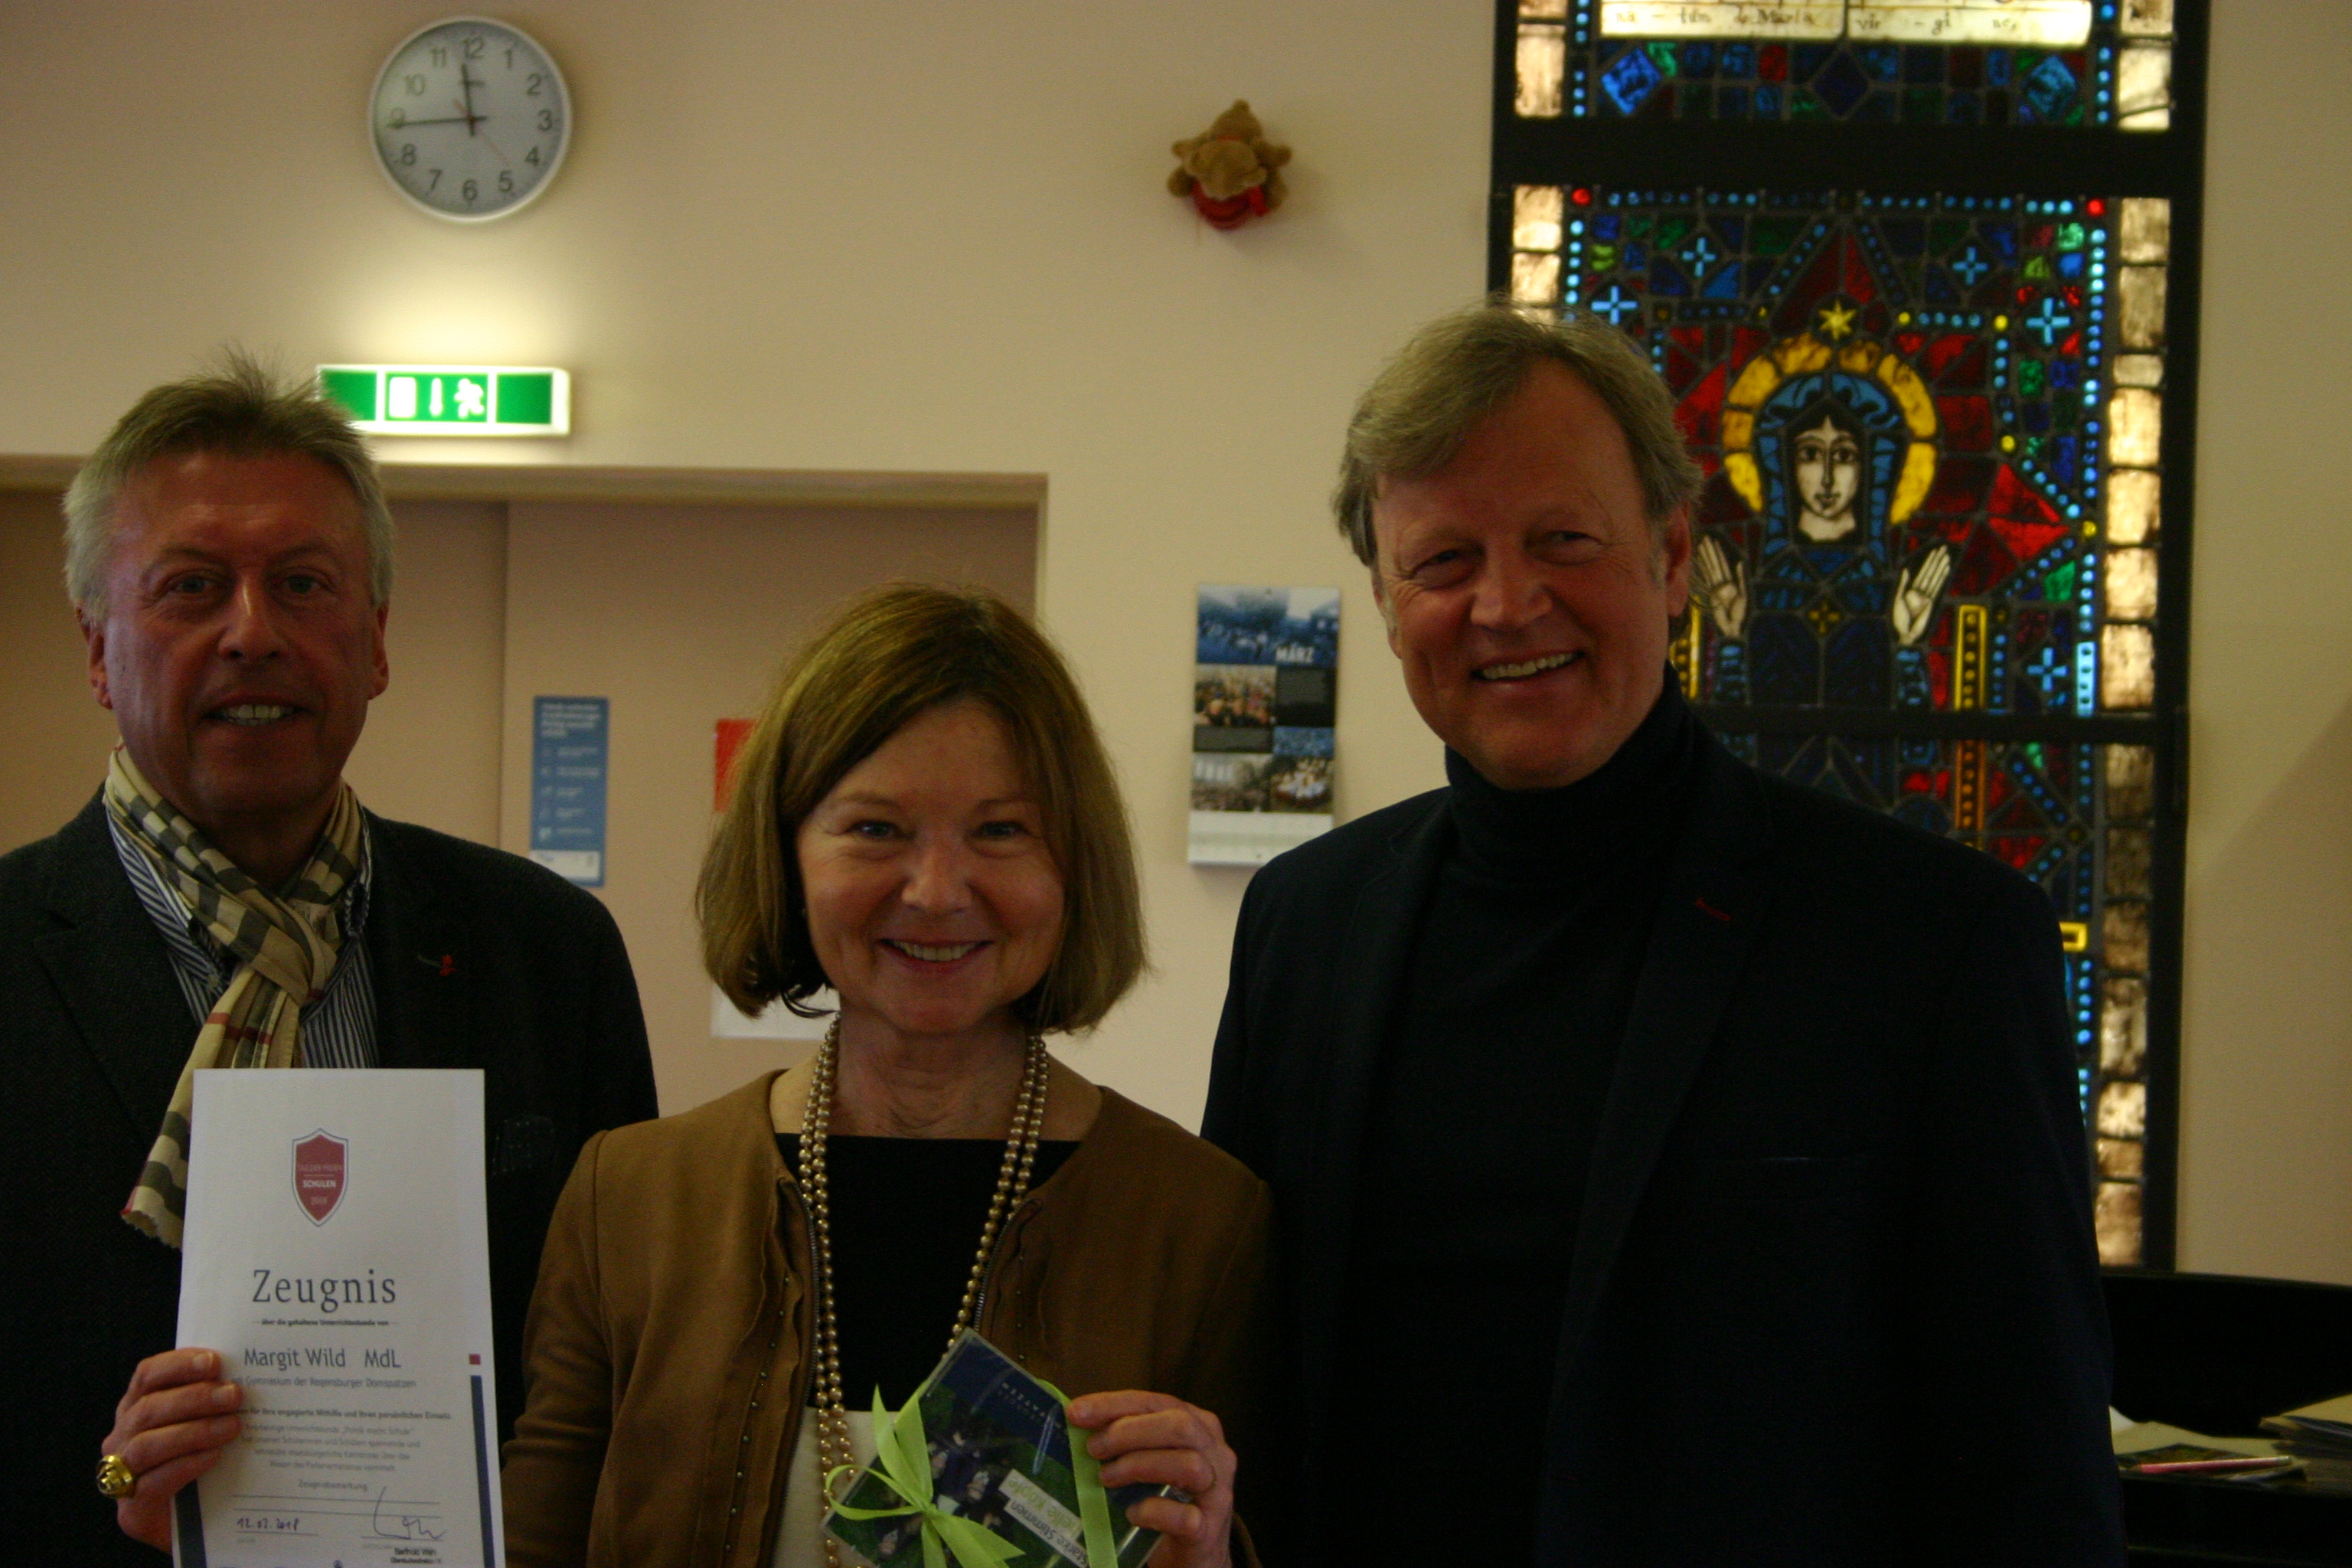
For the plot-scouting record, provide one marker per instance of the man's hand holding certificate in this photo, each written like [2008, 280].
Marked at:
[336, 1264]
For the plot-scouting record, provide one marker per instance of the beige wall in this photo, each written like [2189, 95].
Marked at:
[680, 615]
[430, 751]
[932, 237]
[59, 734]
[824, 237]
[2266, 1069]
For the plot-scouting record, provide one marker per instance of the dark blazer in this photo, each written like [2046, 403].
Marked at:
[481, 959]
[1834, 1296]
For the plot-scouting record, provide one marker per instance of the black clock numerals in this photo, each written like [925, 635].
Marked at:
[467, 95]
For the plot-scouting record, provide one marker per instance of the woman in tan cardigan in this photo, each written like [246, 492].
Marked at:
[923, 820]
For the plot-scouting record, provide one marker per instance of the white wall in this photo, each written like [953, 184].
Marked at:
[926, 237]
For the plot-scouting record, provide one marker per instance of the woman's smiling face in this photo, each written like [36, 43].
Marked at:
[933, 901]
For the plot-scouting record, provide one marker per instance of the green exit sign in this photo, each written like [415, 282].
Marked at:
[451, 399]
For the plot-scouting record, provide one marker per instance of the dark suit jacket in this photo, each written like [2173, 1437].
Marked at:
[1834, 1296]
[481, 959]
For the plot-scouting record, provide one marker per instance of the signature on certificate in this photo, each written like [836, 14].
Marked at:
[395, 1526]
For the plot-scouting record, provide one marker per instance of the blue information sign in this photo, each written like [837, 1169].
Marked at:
[570, 746]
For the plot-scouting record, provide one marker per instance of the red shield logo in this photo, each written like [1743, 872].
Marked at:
[320, 1165]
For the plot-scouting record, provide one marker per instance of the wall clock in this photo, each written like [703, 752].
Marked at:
[470, 119]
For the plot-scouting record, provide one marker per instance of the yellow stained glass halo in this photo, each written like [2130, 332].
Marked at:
[1805, 354]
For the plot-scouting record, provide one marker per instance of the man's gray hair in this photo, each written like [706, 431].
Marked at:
[238, 410]
[1461, 368]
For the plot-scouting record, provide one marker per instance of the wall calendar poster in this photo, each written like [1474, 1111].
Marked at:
[1265, 689]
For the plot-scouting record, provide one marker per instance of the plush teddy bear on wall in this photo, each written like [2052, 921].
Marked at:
[1231, 171]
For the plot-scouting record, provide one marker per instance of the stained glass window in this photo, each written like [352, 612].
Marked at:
[1935, 62]
[1905, 410]
[1936, 562]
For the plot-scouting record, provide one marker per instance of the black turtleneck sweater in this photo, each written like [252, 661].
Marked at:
[1480, 1134]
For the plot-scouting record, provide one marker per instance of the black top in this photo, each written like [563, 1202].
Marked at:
[1841, 1178]
[907, 1214]
[1482, 1126]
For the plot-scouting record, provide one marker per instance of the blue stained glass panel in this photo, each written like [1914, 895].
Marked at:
[1895, 400]
[1859, 80]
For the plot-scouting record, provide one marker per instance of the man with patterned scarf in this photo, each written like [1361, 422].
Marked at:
[225, 901]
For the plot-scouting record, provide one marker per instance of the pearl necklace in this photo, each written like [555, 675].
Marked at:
[833, 1447]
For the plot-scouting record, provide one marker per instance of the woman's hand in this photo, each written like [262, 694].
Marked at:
[1158, 1439]
[170, 1427]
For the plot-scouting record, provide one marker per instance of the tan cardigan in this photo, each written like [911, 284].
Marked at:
[666, 1357]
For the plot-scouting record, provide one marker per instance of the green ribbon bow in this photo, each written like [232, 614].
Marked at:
[902, 1461]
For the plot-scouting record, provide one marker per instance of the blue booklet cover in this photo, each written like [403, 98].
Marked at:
[999, 1455]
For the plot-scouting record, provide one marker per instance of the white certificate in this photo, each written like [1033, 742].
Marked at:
[337, 1258]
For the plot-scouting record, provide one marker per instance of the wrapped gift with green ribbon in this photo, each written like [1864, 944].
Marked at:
[983, 1462]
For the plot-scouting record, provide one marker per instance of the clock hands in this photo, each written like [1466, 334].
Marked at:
[465, 115]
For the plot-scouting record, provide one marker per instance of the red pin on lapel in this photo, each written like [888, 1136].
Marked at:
[444, 966]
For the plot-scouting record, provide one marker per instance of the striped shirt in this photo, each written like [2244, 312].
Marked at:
[338, 1029]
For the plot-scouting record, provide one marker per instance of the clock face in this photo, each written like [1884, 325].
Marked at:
[470, 119]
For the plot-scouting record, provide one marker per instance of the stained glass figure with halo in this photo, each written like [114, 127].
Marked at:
[1836, 450]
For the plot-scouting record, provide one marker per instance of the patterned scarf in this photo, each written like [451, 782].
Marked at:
[285, 943]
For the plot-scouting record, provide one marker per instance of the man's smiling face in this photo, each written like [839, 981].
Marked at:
[1525, 591]
[239, 644]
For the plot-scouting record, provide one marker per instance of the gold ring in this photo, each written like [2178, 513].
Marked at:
[114, 1477]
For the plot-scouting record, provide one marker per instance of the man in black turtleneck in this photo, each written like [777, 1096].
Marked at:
[1661, 1150]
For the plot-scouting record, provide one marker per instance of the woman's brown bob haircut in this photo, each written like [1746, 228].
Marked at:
[890, 655]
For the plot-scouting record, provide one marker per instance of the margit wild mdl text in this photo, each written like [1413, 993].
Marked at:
[317, 1355]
